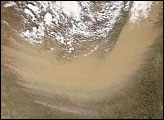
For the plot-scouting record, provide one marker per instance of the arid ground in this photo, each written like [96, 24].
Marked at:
[127, 83]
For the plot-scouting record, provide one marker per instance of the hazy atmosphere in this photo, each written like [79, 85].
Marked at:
[82, 59]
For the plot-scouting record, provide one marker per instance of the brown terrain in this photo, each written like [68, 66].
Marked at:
[126, 84]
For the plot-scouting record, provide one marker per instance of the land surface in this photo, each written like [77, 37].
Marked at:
[127, 83]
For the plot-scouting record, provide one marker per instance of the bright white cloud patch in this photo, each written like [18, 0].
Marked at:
[48, 18]
[71, 22]
[140, 9]
[35, 9]
[9, 4]
[71, 8]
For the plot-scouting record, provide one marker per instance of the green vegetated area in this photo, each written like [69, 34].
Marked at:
[149, 80]
[143, 97]
[148, 86]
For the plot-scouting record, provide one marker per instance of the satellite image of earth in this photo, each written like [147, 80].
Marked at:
[82, 59]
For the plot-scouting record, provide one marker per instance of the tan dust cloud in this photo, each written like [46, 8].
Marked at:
[85, 77]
